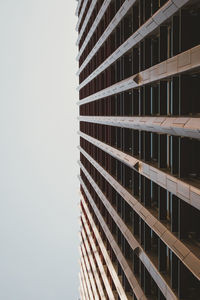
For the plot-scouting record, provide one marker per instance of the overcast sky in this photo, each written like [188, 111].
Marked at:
[38, 171]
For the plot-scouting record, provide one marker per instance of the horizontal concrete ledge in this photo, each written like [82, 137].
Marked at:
[84, 283]
[87, 280]
[93, 27]
[90, 10]
[166, 11]
[126, 232]
[81, 289]
[93, 266]
[77, 8]
[164, 234]
[105, 254]
[180, 63]
[89, 271]
[186, 192]
[104, 277]
[114, 22]
[181, 126]
[129, 274]
[81, 13]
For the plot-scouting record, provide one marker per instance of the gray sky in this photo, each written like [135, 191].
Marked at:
[38, 186]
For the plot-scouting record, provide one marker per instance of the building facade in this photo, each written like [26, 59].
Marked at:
[139, 90]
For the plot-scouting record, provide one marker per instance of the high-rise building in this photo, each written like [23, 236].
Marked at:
[139, 88]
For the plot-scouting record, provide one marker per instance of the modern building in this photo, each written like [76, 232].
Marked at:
[139, 87]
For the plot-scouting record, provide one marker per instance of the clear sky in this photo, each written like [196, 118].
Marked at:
[38, 170]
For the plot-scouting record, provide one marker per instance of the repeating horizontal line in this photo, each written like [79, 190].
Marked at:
[93, 27]
[90, 272]
[193, 263]
[81, 289]
[90, 10]
[183, 190]
[81, 13]
[109, 264]
[158, 18]
[82, 280]
[166, 290]
[86, 280]
[100, 288]
[180, 126]
[77, 8]
[185, 61]
[129, 274]
[114, 22]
